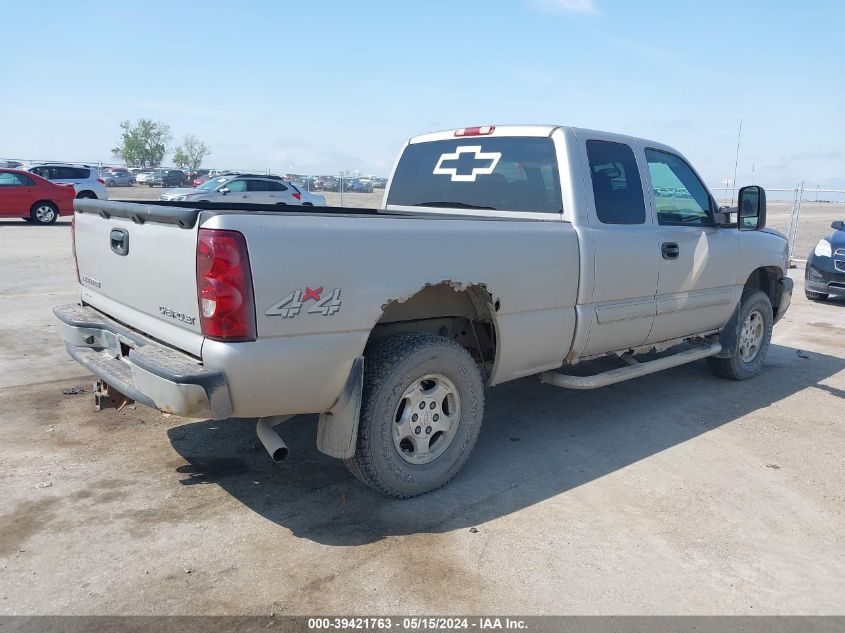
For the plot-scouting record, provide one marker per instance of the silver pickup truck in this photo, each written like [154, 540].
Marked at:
[498, 252]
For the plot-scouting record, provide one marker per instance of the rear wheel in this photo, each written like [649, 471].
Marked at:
[816, 296]
[43, 213]
[421, 414]
[746, 338]
[87, 195]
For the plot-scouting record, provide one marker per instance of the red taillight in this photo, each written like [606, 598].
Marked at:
[484, 130]
[224, 286]
[298, 196]
[101, 181]
[73, 244]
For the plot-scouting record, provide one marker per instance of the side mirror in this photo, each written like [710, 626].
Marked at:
[751, 215]
[223, 190]
[837, 226]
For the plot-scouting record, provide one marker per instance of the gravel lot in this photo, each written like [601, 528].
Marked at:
[678, 493]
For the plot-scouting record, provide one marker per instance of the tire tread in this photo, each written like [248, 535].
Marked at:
[382, 359]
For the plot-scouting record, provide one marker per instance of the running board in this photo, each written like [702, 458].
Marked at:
[634, 370]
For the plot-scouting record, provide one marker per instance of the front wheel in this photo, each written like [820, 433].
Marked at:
[43, 213]
[816, 296]
[746, 338]
[421, 414]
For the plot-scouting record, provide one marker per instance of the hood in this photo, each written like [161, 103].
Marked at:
[772, 231]
[837, 239]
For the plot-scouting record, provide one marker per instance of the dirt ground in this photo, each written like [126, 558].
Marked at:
[678, 493]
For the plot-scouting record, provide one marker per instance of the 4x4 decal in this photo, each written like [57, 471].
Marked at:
[293, 303]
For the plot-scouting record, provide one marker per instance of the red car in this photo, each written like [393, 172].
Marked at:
[33, 198]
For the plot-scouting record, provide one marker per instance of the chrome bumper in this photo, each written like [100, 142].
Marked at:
[142, 369]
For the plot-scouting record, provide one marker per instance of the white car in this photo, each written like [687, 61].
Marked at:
[308, 199]
[143, 177]
[85, 179]
[246, 188]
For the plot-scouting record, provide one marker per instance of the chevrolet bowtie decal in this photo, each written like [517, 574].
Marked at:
[466, 163]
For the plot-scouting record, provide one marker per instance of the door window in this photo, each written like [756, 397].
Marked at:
[256, 185]
[237, 186]
[617, 187]
[679, 195]
[8, 179]
[276, 186]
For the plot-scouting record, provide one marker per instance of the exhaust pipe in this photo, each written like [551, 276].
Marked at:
[270, 439]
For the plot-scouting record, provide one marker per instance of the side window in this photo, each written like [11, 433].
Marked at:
[276, 186]
[256, 185]
[617, 187]
[680, 196]
[8, 179]
[237, 185]
[44, 172]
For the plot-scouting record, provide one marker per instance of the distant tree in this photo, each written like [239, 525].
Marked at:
[190, 154]
[180, 158]
[143, 144]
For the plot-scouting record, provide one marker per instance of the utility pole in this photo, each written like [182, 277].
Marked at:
[736, 163]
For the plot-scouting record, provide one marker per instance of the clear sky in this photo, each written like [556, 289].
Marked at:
[321, 85]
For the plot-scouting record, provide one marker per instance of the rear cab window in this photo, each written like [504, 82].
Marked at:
[617, 188]
[492, 173]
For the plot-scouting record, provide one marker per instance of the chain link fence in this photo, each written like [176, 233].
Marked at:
[803, 214]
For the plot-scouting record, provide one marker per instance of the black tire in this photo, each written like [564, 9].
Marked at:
[816, 296]
[43, 212]
[392, 365]
[734, 367]
[86, 195]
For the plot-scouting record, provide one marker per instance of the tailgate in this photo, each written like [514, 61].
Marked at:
[137, 264]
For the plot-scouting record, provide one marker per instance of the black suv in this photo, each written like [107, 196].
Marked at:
[168, 178]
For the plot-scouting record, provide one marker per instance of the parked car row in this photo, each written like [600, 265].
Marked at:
[246, 188]
[333, 183]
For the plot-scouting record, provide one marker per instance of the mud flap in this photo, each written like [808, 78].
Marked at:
[337, 430]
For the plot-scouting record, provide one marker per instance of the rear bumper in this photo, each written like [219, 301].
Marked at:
[142, 369]
[786, 285]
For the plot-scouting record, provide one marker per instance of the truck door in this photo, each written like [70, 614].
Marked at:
[696, 291]
[624, 245]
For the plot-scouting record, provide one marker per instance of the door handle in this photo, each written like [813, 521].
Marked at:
[670, 250]
[245, 196]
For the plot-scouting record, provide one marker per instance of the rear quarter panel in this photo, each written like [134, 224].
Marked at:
[300, 362]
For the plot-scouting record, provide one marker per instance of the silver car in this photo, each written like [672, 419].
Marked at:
[118, 178]
[246, 188]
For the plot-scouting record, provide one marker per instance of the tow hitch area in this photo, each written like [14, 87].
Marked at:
[106, 397]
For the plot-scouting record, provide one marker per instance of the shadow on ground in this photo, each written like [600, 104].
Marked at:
[537, 442]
